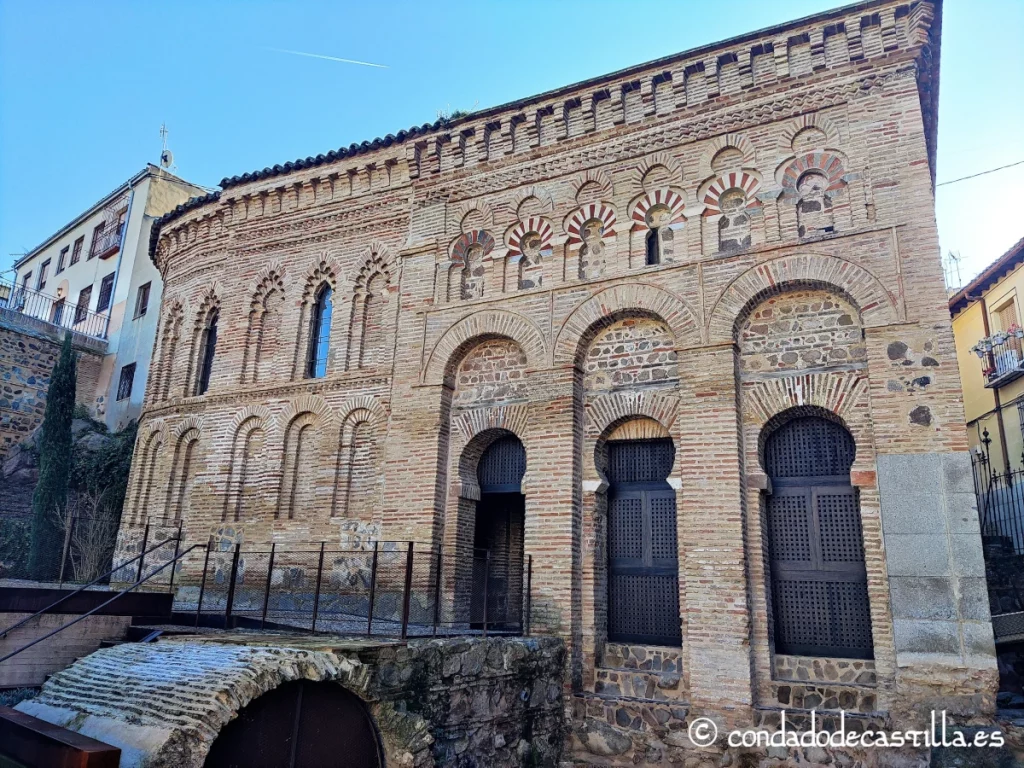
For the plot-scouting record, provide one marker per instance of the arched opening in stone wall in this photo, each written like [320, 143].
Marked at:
[812, 522]
[642, 544]
[300, 724]
[497, 591]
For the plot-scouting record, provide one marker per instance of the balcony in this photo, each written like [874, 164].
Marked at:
[106, 244]
[1002, 358]
[47, 309]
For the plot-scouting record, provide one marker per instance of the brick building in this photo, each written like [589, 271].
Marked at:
[679, 333]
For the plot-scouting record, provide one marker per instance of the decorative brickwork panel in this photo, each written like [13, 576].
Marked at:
[802, 330]
[629, 353]
[493, 371]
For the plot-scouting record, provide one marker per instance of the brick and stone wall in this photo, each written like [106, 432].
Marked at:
[707, 245]
[29, 349]
[462, 702]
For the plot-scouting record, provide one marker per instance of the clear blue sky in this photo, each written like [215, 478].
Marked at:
[84, 88]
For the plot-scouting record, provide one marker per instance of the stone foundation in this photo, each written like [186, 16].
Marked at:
[464, 702]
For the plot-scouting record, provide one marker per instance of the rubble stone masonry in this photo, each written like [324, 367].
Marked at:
[698, 248]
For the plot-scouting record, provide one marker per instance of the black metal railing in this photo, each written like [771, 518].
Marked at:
[52, 310]
[107, 241]
[394, 589]
[1000, 497]
[1002, 356]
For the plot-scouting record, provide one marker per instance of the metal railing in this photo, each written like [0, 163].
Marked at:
[395, 589]
[1002, 356]
[49, 309]
[137, 583]
[1000, 497]
[106, 242]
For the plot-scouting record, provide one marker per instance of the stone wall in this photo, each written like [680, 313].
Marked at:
[29, 349]
[461, 702]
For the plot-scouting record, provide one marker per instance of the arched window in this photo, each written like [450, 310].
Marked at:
[814, 208]
[320, 333]
[653, 247]
[207, 351]
[734, 226]
[819, 579]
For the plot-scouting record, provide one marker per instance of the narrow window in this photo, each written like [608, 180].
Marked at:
[62, 259]
[41, 282]
[206, 354]
[320, 333]
[76, 252]
[124, 385]
[142, 300]
[25, 279]
[106, 289]
[82, 308]
[57, 313]
[653, 247]
[97, 236]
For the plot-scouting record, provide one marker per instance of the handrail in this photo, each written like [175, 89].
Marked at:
[85, 615]
[111, 572]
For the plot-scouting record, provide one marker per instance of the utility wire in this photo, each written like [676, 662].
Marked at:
[982, 173]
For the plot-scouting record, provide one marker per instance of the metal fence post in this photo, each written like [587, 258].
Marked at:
[145, 543]
[202, 582]
[231, 586]
[529, 591]
[487, 578]
[266, 591]
[68, 532]
[174, 563]
[319, 578]
[408, 593]
[437, 593]
[373, 589]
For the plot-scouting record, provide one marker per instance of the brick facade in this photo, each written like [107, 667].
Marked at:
[705, 246]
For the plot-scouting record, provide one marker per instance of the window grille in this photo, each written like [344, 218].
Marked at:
[82, 308]
[106, 289]
[124, 386]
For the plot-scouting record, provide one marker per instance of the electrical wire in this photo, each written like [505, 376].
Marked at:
[981, 173]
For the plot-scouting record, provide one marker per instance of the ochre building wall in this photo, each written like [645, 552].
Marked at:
[490, 275]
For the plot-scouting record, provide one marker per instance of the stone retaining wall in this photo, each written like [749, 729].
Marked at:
[454, 702]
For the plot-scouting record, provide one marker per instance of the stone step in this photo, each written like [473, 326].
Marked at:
[648, 658]
[632, 714]
[639, 684]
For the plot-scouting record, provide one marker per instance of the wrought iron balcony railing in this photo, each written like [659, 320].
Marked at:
[1002, 356]
[51, 310]
[106, 244]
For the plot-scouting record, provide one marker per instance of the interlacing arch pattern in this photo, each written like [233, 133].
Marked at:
[209, 309]
[267, 297]
[247, 459]
[366, 321]
[742, 180]
[599, 211]
[183, 467]
[170, 336]
[326, 271]
[145, 468]
[667, 198]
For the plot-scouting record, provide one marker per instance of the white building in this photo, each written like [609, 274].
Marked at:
[94, 276]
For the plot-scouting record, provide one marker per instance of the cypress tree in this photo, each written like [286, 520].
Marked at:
[51, 494]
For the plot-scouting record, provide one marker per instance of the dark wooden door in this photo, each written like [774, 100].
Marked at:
[643, 554]
[300, 724]
[819, 578]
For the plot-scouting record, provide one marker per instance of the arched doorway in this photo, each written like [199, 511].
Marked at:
[498, 536]
[816, 545]
[300, 724]
[643, 554]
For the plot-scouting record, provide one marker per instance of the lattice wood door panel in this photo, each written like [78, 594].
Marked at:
[819, 580]
[643, 553]
[502, 466]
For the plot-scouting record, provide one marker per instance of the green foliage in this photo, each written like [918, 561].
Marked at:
[51, 494]
[15, 536]
[103, 474]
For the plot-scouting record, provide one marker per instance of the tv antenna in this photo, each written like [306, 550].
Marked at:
[166, 156]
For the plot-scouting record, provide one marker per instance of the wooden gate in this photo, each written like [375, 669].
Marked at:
[643, 556]
[819, 581]
[301, 724]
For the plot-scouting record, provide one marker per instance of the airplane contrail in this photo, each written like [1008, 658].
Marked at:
[329, 58]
